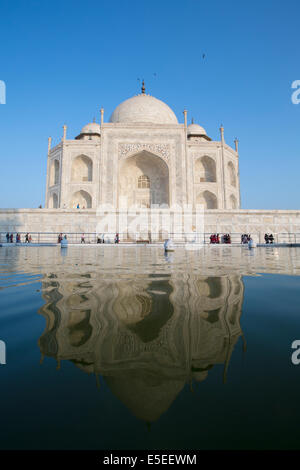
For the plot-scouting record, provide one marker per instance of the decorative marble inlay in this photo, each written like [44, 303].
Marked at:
[162, 150]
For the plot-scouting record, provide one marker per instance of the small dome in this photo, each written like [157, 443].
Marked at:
[143, 109]
[91, 128]
[195, 129]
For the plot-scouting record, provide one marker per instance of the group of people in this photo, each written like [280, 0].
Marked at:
[101, 239]
[245, 238]
[269, 238]
[10, 238]
[226, 238]
[215, 238]
[61, 237]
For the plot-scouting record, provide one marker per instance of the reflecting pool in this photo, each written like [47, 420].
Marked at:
[114, 347]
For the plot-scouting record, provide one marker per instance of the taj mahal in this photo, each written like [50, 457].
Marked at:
[143, 157]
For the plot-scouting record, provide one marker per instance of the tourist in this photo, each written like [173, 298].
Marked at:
[226, 238]
[7, 237]
[59, 239]
[245, 238]
[18, 238]
[117, 238]
[27, 238]
[78, 206]
[11, 238]
[266, 237]
[271, 238]
[82, 238]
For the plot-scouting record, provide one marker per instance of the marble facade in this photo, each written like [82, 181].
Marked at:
[142, 156]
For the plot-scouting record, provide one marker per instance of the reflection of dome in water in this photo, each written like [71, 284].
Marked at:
[79, 327]
[147, 346]
[132, 308]
[147, 395]
[199, 376]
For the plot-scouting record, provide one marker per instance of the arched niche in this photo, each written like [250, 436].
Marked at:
[53, 203]
[233, 202]
[143, 180]
[208, 199]
[54, 172]
[205, 170]
[232, 174]
[82, 169]
[83, 198]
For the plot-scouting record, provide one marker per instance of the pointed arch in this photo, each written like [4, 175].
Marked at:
[205, 170]
[232, 174]
[233, 202]
[143, 180]
[82, 169]
[208, 199]
[53, 203]
[54, 172]
[83, 198]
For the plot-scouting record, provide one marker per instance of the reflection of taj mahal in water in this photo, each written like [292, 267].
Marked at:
[148, 338]
[142, 157]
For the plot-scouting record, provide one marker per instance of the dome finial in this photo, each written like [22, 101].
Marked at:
[143, 87]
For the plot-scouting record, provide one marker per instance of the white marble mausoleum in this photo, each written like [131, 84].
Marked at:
[142, 157]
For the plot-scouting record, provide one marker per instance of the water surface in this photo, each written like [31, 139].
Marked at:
[125, 347]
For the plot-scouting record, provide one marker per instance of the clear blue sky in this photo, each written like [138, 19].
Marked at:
[63, 60]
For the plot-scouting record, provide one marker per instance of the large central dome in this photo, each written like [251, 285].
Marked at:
[143, 109]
